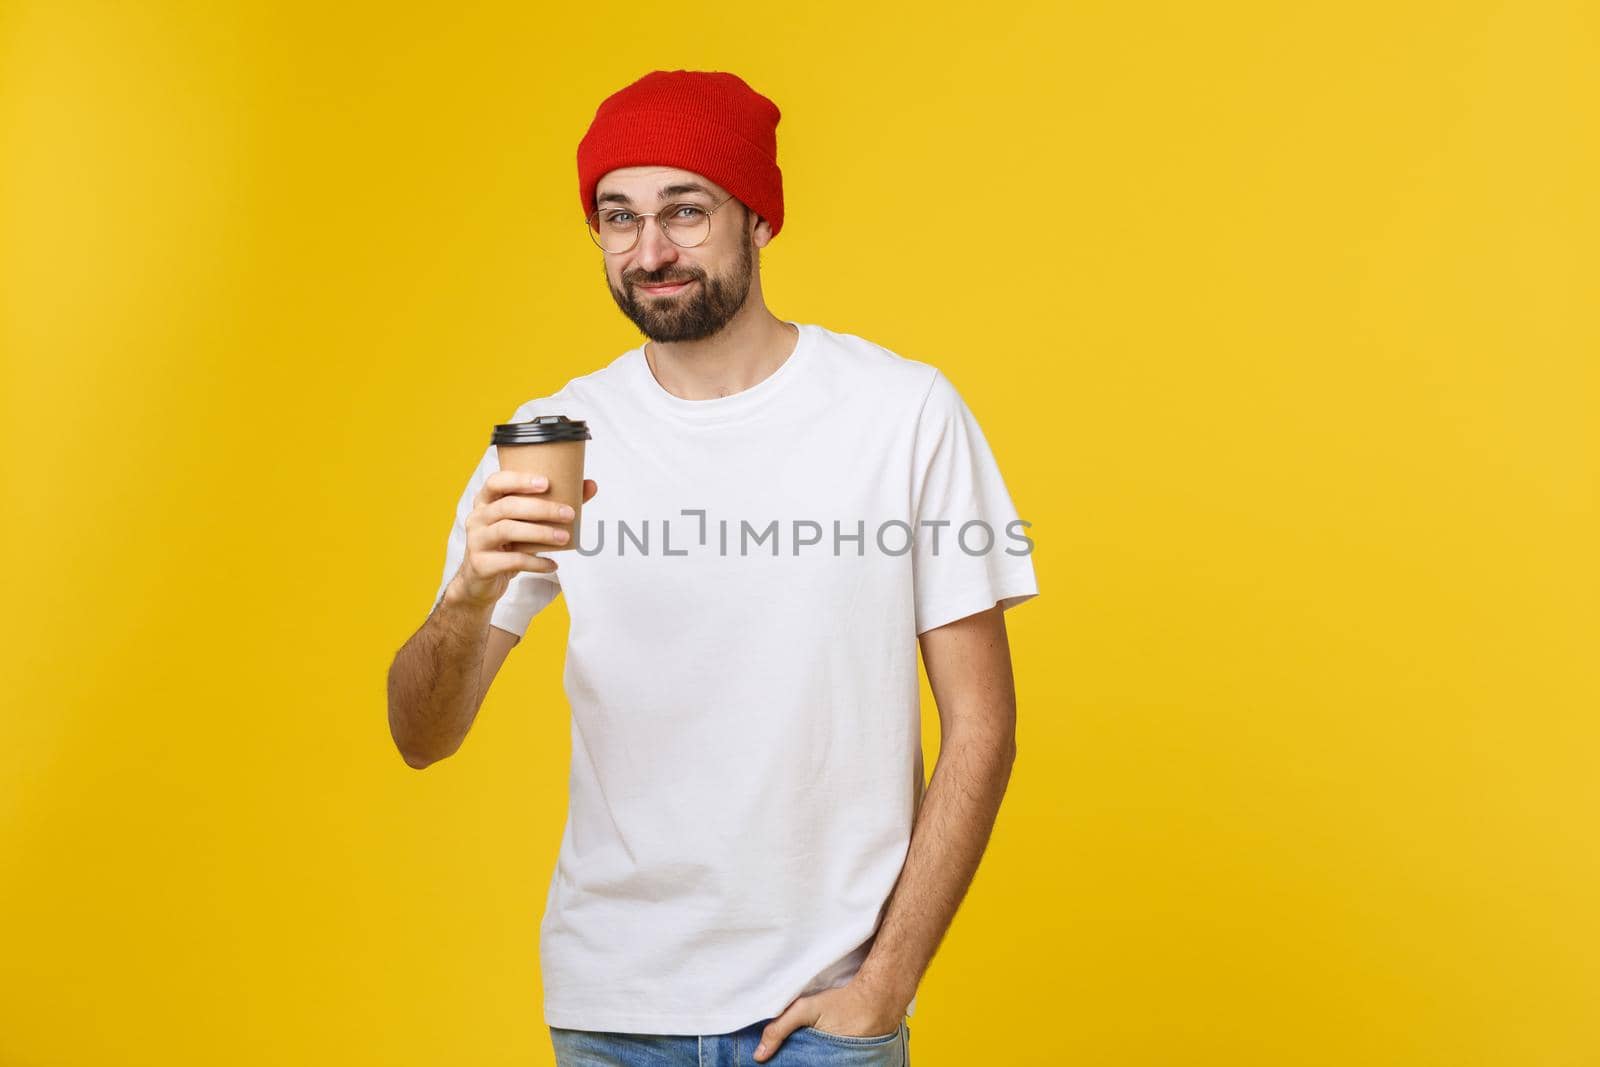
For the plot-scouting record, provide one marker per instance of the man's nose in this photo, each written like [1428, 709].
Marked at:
[654, 249]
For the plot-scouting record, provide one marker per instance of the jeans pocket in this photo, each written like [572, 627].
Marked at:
[848, 1039]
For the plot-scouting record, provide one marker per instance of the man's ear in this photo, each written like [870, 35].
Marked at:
[762, 233]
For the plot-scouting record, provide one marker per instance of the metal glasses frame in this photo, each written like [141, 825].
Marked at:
[638, 229]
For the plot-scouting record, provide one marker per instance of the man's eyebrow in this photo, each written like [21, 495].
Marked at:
[662, 193]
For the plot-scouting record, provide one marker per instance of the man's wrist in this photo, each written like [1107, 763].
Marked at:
[890, 988]
[455, 598]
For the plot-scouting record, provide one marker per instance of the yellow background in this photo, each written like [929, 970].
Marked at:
[1281, 319]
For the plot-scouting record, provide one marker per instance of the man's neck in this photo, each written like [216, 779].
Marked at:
[742, 354]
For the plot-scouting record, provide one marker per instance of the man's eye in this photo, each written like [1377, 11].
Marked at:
[618, 218]
[693, 212]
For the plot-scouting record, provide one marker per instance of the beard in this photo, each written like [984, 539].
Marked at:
[691, 314]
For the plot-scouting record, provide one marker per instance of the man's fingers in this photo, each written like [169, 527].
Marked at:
[521, 555]
[532, 533]
[514, 507]
[500, 483]
[778, 1030]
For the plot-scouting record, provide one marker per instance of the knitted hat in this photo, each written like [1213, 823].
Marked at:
[709, 122]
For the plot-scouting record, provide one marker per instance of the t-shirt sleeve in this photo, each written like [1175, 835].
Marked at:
[528, 592]
[971, 550]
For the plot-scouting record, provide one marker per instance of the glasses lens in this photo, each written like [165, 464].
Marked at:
[687, 224]
[614, 229]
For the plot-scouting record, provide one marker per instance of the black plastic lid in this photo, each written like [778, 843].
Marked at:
[540, 430]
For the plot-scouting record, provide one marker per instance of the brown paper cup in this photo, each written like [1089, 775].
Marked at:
[551, 445]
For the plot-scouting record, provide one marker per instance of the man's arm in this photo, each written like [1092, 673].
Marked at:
[969, 669]
[441, 675]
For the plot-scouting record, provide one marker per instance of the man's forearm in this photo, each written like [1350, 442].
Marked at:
[435, 680]
[951, 832]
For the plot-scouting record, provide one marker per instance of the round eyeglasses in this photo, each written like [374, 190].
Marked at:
[617, 230]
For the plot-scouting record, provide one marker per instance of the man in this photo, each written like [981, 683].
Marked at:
[749, 857]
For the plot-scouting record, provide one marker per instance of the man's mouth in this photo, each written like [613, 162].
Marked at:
[669, 287]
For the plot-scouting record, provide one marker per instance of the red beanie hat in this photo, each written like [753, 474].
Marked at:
[706, 121]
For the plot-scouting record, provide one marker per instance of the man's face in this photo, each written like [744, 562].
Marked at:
[717, 274]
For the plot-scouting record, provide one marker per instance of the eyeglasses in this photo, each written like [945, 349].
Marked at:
[616, 229]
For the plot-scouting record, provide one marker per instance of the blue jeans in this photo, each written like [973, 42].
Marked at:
[806, 1046]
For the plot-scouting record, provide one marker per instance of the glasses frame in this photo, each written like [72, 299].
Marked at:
[640, 216]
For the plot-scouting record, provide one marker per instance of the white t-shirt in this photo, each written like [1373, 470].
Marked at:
[746, 732]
